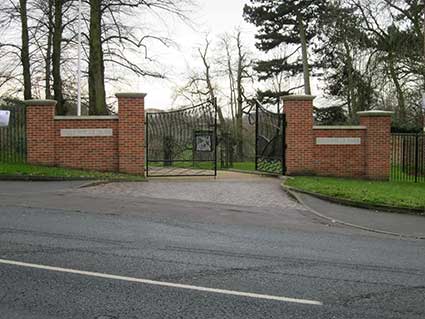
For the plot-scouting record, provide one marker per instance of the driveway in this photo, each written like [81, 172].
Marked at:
[228, 188]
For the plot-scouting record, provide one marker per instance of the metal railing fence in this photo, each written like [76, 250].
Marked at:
[408, 157]
[13, 143]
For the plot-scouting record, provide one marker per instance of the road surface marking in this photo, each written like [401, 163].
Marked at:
[161, 283]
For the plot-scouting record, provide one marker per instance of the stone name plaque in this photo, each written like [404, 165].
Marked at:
[86, 132]
[338, 141]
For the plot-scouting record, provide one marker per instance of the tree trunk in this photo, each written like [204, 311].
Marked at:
[56, 59]
[25, 55]
[306, 67]
[351, 103]
[97, 95]
[232, 89]
[213, 98]
[211, 92]
[400, 94]
[239, 102]
[48, 62]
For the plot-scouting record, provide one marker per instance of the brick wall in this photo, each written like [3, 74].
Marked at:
[340, 160]
[40, 132]
[121, 152]
[370, 158]
[88, 153]
[378, 143]
[131, 140]
[299, 134]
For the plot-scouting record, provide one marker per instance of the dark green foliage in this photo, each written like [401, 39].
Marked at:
[341, 42]
[278, 22]
[269, 97]
[290, 24]
[405, 129]
[268, 69]
[333, 115]
[270, 166]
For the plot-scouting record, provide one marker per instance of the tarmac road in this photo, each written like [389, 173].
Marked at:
[67, 253]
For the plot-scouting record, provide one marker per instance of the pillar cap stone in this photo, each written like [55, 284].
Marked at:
[130, 95]
[40, 102]
[375, 113]
[298, 98]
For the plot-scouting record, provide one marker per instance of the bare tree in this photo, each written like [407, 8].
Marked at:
[25, 54]
[224, 68]
[97, 95]
[239, 69]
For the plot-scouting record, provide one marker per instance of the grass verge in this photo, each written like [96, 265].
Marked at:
[244, 166]
[25, 170]
[395, 194]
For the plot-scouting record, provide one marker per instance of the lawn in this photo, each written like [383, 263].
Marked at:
[244, 166]
[25, 170]
[395, 194]
[206, 165]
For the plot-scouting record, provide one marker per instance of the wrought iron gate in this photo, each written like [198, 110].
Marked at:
[270, 141]
[13, 141]
[182, 142]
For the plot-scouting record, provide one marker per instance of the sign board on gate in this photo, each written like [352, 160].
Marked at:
[4, 118]
[203, 141]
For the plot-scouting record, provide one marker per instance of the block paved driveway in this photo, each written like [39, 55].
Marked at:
[228, 188]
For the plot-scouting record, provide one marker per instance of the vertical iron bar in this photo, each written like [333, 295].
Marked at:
[15, 137]
[407, 158]
[256, 135]
[402, 142]
[24, 127]
[423, 158]
[283, 128]
[9, 139]
[1, 142]
[416, 157]
[412, 158]
[396, 172]
[147, 144]
[392, 158]
[400, 157]
[215, 136]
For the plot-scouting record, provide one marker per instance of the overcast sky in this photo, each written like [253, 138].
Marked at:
[212, 17]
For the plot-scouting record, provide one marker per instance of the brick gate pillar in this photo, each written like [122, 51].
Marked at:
[378, 143]
[299, 134]
[41, 132]
[131, 136]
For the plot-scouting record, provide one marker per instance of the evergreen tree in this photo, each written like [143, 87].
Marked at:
[289, 23]
[346, 58]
